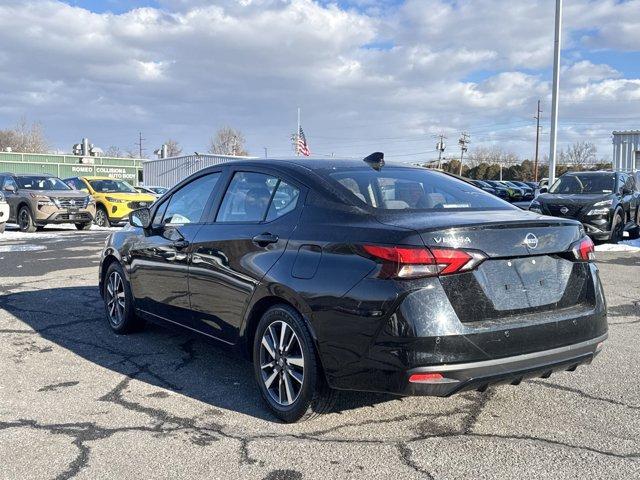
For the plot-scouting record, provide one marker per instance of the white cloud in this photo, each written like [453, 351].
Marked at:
[368, 77]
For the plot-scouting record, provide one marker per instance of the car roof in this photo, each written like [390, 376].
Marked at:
[94, 177]
[28, 174]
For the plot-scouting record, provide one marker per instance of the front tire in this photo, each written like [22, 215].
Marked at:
[25, 221]
[102, 218]
[617, 228]
[83, 226]
[287, 367]
[118, 302]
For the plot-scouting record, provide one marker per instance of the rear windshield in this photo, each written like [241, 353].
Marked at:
[111, 186]
[41, 183]
[414, 189]
[588, 183]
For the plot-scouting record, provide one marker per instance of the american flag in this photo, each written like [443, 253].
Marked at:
[301, 144]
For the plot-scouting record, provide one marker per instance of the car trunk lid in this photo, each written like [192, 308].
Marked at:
[528, 266]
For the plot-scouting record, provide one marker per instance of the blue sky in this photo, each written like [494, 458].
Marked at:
[368, 75]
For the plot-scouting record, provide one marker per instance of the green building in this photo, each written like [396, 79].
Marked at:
[63, 166]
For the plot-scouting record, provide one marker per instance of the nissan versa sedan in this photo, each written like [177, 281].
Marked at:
[355, 275]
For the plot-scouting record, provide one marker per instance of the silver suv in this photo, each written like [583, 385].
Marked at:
[36, 200]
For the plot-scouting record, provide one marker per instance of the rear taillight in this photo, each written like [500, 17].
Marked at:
[414, 262]
[584, 250]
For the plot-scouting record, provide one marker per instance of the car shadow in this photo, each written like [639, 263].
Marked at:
[74, 319]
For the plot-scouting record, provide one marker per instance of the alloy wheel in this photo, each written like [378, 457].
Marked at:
[24, 220]
[115, 299]
[282, 363]
[101, 218]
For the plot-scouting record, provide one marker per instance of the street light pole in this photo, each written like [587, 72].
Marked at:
[554, 98]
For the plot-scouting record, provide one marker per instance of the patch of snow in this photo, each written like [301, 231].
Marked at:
[21, 248]
[624, 246]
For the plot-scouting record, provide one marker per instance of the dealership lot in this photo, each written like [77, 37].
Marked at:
[78, 401]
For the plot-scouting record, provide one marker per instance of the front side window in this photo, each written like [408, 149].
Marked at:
[111, 186]
[412, 189]
[584, 184]
[187, 204]
[41, 183]
[247, 198]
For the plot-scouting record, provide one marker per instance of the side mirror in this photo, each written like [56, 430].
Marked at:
[10, 188]
[140, 218]
[544, 189]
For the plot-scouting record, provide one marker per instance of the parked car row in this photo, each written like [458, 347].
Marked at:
[512, 191]
[35, 200]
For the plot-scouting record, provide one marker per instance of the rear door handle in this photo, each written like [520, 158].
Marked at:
[265, 239]
[180, 244]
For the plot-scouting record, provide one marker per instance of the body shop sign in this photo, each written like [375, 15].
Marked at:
[111, 172]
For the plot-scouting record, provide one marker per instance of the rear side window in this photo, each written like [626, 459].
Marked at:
[247, 198]
[413, 189]
[187, 204]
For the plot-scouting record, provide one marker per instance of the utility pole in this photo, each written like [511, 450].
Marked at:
[557, 46]
[463, 142]
[265, 152]
[440, 146]
[140, 140]
[535, 163]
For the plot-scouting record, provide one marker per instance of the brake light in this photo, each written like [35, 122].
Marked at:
[584, 250]
[415, 262]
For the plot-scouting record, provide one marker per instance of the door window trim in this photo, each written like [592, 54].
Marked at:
[263, 171]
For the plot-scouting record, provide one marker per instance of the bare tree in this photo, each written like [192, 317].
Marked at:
[113, 151]
[24, 138]
[579, 154]
[173, 148]
[228, 141]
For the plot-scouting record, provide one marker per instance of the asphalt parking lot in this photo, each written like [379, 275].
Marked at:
[77, 401]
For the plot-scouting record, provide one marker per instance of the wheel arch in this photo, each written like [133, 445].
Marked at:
[263, 300]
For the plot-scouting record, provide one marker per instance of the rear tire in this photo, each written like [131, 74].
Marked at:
[293, 386]
[118, 302]
[617, 228]
[102, 217]
[83, 226]
[25, 221]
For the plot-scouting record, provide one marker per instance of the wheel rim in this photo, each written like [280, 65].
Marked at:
[282, 363]
[24, 220]
[100, 218]
[115, 299]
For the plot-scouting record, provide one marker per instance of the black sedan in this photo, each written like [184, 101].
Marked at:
[355, 275]
[607, 203]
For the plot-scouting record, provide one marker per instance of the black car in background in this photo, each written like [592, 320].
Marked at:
[488, 188]
[607, 203]
[529, 193]
[354, 275]
[513, 194]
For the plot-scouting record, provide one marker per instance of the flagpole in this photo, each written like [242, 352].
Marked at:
[298, 135]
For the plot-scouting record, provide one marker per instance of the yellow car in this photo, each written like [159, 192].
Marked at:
[114, 198]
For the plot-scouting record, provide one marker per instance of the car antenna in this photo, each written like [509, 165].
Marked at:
[375, 160]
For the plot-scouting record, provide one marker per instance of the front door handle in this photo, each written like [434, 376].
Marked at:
[265, 239]
[180, 244]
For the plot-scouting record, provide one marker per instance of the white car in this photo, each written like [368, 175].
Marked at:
[4, 212]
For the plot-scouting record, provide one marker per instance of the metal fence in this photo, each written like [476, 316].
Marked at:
[626, 150]
[167, 172]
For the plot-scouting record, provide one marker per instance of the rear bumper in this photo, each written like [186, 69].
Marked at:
[480, 375]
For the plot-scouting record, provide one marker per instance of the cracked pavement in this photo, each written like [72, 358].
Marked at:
[77, 401]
